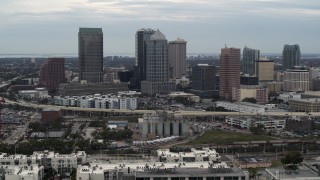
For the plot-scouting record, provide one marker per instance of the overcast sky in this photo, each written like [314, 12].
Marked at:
[51, 26]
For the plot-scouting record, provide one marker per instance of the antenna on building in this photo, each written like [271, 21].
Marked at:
[225, 45]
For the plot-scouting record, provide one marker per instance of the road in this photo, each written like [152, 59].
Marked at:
[177, 113]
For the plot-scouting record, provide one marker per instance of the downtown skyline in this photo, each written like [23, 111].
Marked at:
[48, 27]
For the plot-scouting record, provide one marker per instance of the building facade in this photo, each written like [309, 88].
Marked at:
[177, 58]
[296, 80]
[250, 56]
[203, 77]
[157, 77]
[140, 70]
[52, 73]
[265, 69]
[291, 56]
[229, 71]
[90, 44]
[77, 89]
[162, 124]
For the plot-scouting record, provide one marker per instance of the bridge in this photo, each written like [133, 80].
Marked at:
[93, 112]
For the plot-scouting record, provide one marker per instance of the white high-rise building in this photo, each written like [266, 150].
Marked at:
[296, 80]
[157, 80]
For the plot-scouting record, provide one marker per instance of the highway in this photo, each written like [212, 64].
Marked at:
[176, 113]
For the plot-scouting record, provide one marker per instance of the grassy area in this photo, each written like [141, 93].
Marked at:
[276, 163]
[220, 137]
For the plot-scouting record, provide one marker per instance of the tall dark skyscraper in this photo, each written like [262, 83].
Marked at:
[90, 42]
[142, 36]
[250, 56]
[52, 73]
[229, 72]
[203, 77]
[291, 56]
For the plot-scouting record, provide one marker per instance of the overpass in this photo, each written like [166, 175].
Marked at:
[119, 112]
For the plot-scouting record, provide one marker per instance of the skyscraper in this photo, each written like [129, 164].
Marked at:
[142, 36]
[157, 66]
[203, 77]
[291, 56]
[52, 73]
[250, 56]
[265, 69]
[177, 58]
[90, 44]
[229, 72]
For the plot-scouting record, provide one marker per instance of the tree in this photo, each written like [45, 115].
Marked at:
[250, 100]
[259, 129]
[292, 158]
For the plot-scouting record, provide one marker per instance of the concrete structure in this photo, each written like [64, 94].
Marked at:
[183, 82]
[52, 73]
[77, 89]
[61, 163]
[38, 93]
[257, 92]
[90, 43]
[305, 105]
[50, 115]
[160, 170]
[288, 96]
[249, 58]
[177, 58]
[161, 124]
[157, 77]
[242, 107]
[270, 123]
[265, 69]
[274, 86]
[239, 122]
[262, 95]
[202, 155]
[304, 171]
[229, 71]
[291, 56]
[192, 97]
[296, 80]
[32, 172]
[98, 101]
[248, 122]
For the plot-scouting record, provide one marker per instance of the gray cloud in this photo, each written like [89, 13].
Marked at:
[235, 22]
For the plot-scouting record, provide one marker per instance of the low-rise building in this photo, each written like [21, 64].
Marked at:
[32, 172]
[34, 94]
[204, 154]
[161, 170]
[269, 123]
[305, 105]
[242, 107]
[289, 95]
[50, 115]
[78, 89]
[98, 101]
[240, 122]
[61, 163]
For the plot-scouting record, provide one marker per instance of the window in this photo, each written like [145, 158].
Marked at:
[160, 178]
[178, 178]
[213, 178]
[195, 178]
